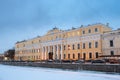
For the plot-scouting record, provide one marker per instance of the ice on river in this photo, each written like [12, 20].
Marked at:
[35, 73]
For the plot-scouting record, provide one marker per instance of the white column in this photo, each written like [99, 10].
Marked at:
[48, 51]
[45, 53]
[61, 52]
[42, 53]
[53, 52]
[57, 51]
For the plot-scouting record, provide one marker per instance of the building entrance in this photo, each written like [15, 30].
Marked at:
[50, 55]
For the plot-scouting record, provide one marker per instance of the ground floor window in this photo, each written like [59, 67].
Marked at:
[90, 55]
[112, 53]
[73, 56]
[68, 56]
[96, 54]
[78, 55]
[84, 56]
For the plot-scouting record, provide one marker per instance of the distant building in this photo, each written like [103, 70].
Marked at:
[74, 44]
[1, 57]
[9, 54]
[111, 45]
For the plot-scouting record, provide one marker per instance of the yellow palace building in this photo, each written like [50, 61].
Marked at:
[84, 42]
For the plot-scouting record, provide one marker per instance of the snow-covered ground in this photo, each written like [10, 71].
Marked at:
[34, 73]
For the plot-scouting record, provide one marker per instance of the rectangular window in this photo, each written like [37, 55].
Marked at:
[96, 44]
[78, 46]
[73, 46]
[90, 44]
[97, 55]
[111, 43]
[89, 31]
[84, 56]
[78, 56]
[83, 45]
[83, 32]
[96, 29]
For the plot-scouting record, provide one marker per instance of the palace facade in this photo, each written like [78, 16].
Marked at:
[111, 45]
[84, 42]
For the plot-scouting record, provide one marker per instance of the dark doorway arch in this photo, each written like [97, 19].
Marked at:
[84, 56]
[50, 55]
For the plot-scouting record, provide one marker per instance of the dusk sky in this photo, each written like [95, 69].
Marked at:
[26, 19]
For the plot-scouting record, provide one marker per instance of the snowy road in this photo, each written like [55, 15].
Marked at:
[34, 73]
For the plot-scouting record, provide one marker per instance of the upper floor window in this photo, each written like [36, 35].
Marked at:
[111, 43]
[83, 32]
[96, 44]
[73, 46]
[96, 29]
[89, 31]
[78, 46]
[64, 47]
[83, 45]
[90, 44]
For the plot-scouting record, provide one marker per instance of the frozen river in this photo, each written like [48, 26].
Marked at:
[34, 73]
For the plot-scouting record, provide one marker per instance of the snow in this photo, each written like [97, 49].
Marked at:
[37, 73]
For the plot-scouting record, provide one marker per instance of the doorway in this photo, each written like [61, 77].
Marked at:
[50, 55]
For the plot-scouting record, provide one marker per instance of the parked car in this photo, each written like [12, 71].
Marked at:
[88, 61]
[57, 61]
[67, 61]
[49, 61]
[114, 61]
[98, 61]
[79, 61]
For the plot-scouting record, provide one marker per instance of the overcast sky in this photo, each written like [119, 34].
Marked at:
[25, 19]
